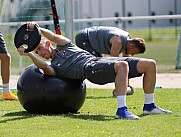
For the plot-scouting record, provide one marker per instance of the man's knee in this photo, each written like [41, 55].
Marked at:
[152, 63]
[146, 65]
[76, 38]
[121, 66]
[79, 37]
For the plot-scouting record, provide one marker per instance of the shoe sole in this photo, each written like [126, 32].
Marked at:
[149, 113]
[10, 99]
[118, 117]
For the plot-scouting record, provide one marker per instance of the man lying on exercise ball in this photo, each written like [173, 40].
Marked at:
[69, 61]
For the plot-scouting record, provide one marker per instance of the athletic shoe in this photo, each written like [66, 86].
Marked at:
[152, 109]
[123, 113]
[9, 96]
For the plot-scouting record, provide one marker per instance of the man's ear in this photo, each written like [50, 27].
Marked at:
[131, 45]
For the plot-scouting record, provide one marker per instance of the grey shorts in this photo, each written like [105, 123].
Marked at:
[82, 41]
[101, 70]
[3, 49]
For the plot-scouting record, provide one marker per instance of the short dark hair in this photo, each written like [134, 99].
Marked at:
[140, 44]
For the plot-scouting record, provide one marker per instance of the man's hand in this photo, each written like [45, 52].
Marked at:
[130, 87]
[31, 25]
[130, 91]
[21, 51]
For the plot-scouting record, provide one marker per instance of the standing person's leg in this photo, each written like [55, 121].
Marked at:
[5, 67]
[148, 68]
[5, 70]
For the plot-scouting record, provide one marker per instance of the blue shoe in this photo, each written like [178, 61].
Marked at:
[123, 113]
[153, 109]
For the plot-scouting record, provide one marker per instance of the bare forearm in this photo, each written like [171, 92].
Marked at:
[37, 61]
[114, 54]
[58, 39]
[47, 33]
[42, 64]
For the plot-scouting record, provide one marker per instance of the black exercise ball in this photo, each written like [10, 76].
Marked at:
[42, 94]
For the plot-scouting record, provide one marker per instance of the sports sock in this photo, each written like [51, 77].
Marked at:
[6, 88]
[121, 101]
[149, 98]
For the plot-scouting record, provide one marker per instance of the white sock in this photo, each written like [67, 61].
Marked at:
[121, 101]
[6, 88]
[149, 98]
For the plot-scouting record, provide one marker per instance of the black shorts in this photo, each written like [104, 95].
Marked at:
[101, 70]
[3, 49]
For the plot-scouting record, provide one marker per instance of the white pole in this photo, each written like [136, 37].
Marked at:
[177, 66]
[69, 19]
[20, 64]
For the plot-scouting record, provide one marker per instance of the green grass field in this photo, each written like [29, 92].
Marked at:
[96, 118]
[164, 53]
[162, 48]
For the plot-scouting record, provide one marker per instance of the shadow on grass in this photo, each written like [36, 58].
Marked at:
[94, 97]
[21, 115]
[98, 117]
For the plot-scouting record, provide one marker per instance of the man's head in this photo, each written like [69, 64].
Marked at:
[135, 46]
[44, 49]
